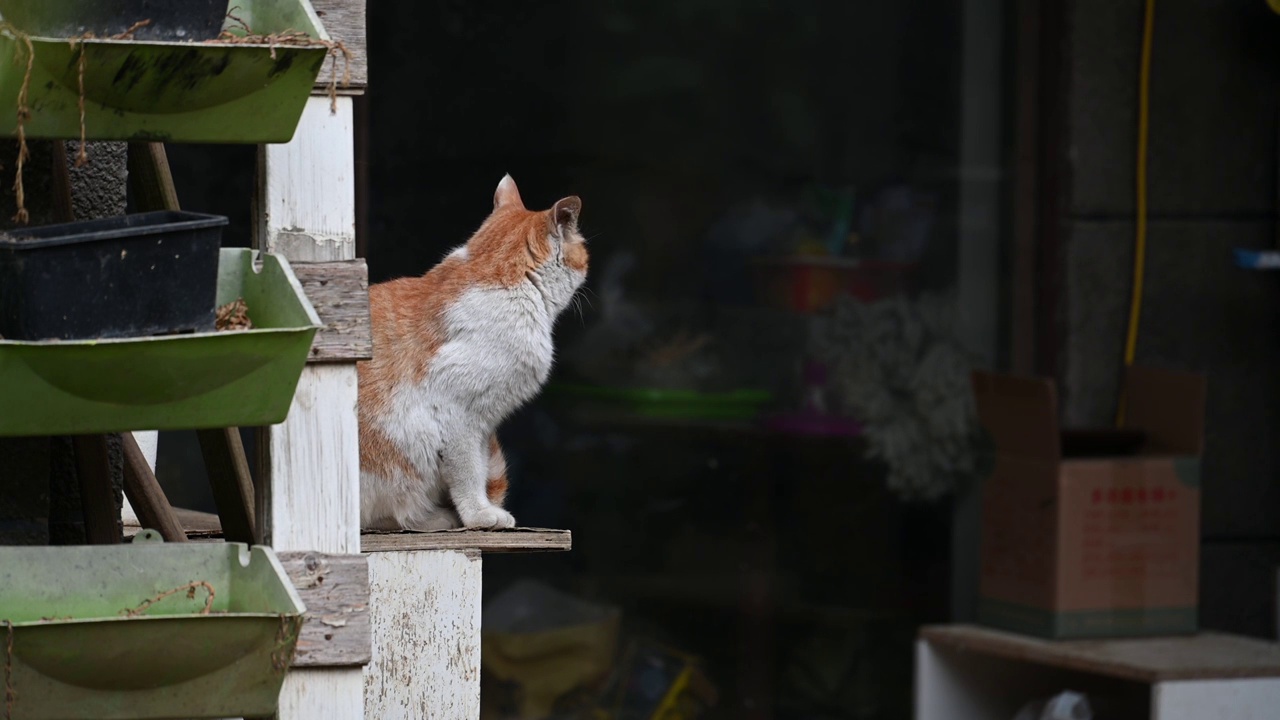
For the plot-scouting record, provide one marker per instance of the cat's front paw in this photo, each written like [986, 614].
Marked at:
[490, 518]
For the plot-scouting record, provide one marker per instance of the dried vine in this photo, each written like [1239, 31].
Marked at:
[286, 644]
[191, 595]
[24, 114]
[291, 38]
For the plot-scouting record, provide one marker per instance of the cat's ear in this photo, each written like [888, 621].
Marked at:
[507, 194]
[565, 213]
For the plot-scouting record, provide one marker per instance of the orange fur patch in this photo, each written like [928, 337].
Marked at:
[496, 487]
[379, 456]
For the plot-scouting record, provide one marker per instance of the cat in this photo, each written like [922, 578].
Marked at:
[456, 351]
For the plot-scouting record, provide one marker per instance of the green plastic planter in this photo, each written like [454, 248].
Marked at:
[159, 91]
[78, 653]
[204, 380]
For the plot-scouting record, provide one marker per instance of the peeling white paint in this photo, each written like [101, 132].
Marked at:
[425, 611]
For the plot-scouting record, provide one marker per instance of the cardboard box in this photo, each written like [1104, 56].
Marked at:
[1091, 534]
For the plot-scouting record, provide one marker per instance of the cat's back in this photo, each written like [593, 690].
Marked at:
[404, 323]
[409, 310]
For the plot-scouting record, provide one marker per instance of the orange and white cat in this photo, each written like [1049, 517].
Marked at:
[456, 351]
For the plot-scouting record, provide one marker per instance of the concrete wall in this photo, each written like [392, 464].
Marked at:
[1212, 187]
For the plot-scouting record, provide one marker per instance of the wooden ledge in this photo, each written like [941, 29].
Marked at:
[198, 525]
[1205, 656]
[205, 527]
[507, 541]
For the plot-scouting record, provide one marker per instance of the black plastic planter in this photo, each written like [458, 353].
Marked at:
[129, 276]
[170, 20]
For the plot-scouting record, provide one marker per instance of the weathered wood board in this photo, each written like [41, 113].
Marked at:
[344, 20]
[513, 540]
[309, 485]
[335, 589]
[339, 291]
[425, 607]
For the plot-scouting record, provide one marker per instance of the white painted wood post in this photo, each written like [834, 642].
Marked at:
[309, 497]
[424, 610]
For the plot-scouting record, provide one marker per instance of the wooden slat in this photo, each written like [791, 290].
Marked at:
[309, 491]
[97, 499]
[425, 608]
[194, 521]
[344, 20]
[150, 180]
[306, 188]
[309, 482]
[514, 540]
[231, 482]
[339, 291]
[335, 589]
[146, 496]
[1199, 657]
[197, 525]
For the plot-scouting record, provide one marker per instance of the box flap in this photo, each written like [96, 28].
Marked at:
[1168, 406]
[1021, 413]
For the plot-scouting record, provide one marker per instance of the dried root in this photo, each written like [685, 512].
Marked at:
[234, 316]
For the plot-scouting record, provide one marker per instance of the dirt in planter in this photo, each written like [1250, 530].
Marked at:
[233, 316]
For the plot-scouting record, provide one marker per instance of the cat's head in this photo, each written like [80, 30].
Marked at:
[541, 246]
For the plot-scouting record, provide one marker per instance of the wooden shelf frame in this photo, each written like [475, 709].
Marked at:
[965, 672]
[515, 540]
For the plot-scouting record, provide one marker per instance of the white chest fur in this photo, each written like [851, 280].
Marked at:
[497, 353]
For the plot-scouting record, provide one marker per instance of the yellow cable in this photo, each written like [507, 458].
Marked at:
[1140, 235]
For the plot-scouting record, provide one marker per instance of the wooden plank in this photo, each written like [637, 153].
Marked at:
[344, 20]
[198, 526]
[97, 499]
[1204, 656]
[146, 496]
[955, 685]
[335, 589]
[306, 188]
[310, 497]
[425, 608]
[194, 521]
[339, 291]
[149, 443]
[231, 482]
[506, 541]
[150, 180]
[316, 693]
[309, 489]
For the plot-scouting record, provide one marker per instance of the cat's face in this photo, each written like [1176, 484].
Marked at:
[541, 246]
